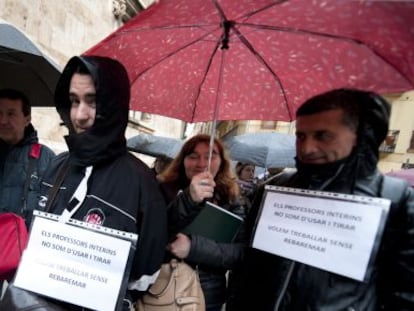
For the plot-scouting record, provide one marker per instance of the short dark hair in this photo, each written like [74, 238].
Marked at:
[348, 100]
[17, 95]
[82, 69]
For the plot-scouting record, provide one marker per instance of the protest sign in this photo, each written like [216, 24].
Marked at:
[76, 262]
[334, 232]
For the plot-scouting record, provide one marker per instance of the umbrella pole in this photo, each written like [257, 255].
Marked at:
[211, 146]
[216, 108]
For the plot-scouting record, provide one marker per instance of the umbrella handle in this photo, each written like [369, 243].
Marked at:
[211, 145]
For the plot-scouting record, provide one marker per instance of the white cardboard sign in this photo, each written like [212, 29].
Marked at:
[73, 264]
[334, 232]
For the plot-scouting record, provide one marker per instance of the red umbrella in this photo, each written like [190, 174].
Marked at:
[201, 60]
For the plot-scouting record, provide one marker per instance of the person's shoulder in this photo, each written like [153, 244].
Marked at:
[62, 156]
[133, 160]
[46, 151]
[135, 165]
[280, 178]
[57, 160]
[396, 189]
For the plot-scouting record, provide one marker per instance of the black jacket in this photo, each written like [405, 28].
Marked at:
[274, 283]
[122, 192]
[14, 164]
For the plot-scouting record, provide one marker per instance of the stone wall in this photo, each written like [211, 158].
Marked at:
[63, 29]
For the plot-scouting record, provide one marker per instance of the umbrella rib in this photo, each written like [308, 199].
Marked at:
[169, 55]
[205, 76]
[248, 15]
[220, 10]
[252, 13]
[249, 46]
[165, 27]
[331, 36]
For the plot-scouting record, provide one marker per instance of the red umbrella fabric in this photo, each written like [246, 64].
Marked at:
[203, 60]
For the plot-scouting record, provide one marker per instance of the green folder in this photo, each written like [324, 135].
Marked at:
[216, 223]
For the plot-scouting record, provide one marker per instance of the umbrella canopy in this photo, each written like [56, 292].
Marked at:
[25, 68]
[203, 60]
[155, 146]
[266, 149]
[406, 174]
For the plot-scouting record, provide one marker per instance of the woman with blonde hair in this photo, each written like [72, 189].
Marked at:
[187, 183]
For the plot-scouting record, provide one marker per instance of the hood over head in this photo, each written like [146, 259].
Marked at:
[373, 113]
[105, 140]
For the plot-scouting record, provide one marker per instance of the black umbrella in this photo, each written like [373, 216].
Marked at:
[25, 67]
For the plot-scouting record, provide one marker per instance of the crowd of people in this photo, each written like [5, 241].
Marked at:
[98, 181]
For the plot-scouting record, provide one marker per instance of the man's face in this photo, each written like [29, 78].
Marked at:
[12, 120]
[82, 95]
[323, 138]
[197, 161]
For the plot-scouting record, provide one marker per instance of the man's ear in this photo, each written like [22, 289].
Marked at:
[356, 140]
[27, 120]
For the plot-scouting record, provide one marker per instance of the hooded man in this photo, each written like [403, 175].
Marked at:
[119, 191]
[23, 160]
[338, 134]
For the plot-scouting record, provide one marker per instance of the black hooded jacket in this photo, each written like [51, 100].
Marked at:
[122, 192]
[275, 283]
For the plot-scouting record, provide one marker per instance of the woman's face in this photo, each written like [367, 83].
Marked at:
[197, 161]
[247, 173]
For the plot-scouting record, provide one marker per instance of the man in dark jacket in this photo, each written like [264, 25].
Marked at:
[92, 98]
[23, 160]
[338, 136]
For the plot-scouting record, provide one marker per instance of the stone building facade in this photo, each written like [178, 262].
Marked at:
[63, 29]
